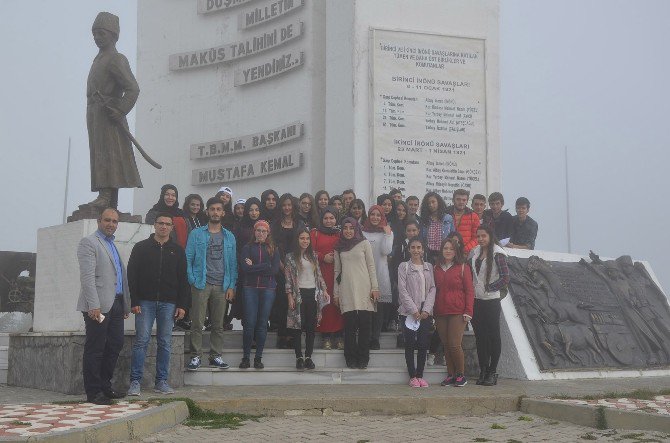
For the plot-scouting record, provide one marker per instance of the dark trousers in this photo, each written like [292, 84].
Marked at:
[357, 349]
[486, 325]
[104, 342]
[280, 308]
[378, 320]
[416, 341]
[308, 323]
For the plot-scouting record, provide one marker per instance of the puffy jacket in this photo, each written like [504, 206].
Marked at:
[261, 273]
[455, 290]
[196, 258]
[467, 227]
[158, 273]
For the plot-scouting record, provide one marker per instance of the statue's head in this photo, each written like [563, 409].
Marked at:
[105, 30]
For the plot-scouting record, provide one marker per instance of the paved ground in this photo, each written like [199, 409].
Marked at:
[37, 419]
[508, 427]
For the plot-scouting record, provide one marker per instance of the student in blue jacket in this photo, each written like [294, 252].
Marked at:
[211, 266]
[260, 263]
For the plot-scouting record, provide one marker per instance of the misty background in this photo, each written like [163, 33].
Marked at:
[591, 76]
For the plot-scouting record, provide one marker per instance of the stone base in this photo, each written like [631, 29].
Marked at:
[87, 211]
[57, 286]
[53, 361]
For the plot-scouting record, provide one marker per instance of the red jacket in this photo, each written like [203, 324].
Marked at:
[467, 227]
[455, 292]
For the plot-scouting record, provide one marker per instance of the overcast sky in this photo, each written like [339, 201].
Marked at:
[590, 75]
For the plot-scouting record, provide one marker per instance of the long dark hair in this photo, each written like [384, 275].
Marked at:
[246, 220]
[316, 199]
[312, 218]
[493, 241]
[294, 207]
[425, 211]
[201, 216]
[358, 202]
[296, 251]
[270, 215]
[459, 258]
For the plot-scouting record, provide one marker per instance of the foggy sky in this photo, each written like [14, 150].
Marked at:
[592, 76]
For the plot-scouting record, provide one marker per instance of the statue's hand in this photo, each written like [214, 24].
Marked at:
[114, 114]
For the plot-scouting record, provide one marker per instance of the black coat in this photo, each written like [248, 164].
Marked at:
[158, 273]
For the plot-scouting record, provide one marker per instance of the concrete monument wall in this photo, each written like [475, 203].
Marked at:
[279, 94]
[57, 287]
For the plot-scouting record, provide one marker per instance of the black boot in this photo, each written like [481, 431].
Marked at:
[258, 364]
[482, 376]
[491, 379]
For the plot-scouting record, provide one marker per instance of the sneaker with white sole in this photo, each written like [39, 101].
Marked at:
[162, 387]
[218, 362]
[134, 388]
[194, 364]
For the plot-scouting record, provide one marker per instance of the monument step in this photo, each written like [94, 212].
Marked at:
[285, 358]
[4, 339]
[290, 376]
[233, 340]
[4, 356]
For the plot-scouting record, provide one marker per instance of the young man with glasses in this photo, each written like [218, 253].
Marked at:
[159, 291]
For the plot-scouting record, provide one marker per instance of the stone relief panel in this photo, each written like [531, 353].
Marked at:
[591, 314]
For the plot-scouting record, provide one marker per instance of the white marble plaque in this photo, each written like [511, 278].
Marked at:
[269, 68]
[229, 52]
[248, 169]
[264, 13]
[429, 113]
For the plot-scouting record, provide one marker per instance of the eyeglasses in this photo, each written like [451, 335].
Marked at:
[262, 231]
[163, 224]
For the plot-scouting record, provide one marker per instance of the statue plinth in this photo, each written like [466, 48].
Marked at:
[88, 211]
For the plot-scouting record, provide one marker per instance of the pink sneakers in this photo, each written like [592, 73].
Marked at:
[414, 382]
[423, 383]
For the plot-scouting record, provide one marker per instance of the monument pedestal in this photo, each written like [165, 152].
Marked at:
[87, 211]
[57, 287]
[53, 361]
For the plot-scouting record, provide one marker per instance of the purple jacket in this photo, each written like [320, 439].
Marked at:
[410, 293]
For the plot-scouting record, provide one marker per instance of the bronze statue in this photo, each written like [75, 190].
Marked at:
[111, 93]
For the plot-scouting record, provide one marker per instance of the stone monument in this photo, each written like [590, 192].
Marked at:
[302, 95]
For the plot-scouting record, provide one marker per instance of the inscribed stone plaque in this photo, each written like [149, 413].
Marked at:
[247, 143]
[269, 68]
[252, 168]
[229, 52]
[590, 315]
[209, 6]
[265, 13]
[429, 113]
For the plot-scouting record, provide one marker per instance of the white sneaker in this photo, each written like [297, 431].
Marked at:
[430, 360]
[134, 388]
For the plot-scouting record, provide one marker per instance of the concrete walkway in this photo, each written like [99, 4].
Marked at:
[331, 401]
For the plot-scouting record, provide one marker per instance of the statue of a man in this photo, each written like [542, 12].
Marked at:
[111, 93]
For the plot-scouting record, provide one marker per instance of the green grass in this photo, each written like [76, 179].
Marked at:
[205, 418]
[512, 440]
[525, 418]
[482, 439]
[498, 426]
[553, 422]
[588, 436]
[19, 423]
[363, 441]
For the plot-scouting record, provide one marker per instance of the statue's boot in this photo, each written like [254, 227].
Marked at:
[104, 198]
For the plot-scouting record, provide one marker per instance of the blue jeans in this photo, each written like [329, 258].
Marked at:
[257, 306]
[163, 313]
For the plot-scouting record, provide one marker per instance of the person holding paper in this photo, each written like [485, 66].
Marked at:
[416, 295]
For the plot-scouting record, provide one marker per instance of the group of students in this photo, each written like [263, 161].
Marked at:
[324, 264]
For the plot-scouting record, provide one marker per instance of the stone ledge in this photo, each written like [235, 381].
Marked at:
[137, 426]
[587, 415]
